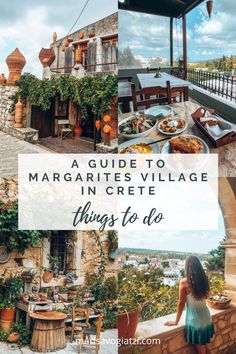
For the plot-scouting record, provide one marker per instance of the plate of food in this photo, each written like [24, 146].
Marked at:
[138, 146]
[185, 144]
[159, 111]
[137, 125]
[172, 126]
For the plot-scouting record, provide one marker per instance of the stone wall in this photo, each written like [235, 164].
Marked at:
[8, 189]
[171, 339]
[7, 119]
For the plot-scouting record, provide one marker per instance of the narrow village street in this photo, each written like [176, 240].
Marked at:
[10, 147]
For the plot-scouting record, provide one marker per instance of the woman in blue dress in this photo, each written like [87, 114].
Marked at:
[193, 291]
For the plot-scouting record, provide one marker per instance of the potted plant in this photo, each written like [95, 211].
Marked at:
[47, 275]
[54, 264]
[113, 244]
[71, 277]
[72, 292]
[131, 301]
[18, 334]
[7, 314]
[217, 298]
[63, 292]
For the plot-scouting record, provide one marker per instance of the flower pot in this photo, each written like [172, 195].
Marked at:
[7, 318]
[127, 324]
[13, 337]
[219, 304]
[47, 277]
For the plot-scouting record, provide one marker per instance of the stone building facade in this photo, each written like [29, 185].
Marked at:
[99, 47]
[77, 250]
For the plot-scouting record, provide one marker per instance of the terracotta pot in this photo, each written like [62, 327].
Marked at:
[13, 337]
[47, 277]
[15, 62]
[78, 131]
[7, 318]
[3, 80]
[78, 54]
[19, 114]
[47, 56]
[127, 324]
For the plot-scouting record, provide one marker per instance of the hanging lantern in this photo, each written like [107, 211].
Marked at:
[98, 124]
[70, 40]
[107, 129]
[107, 118]
[66, 44]
[209, 6]
[81, 35]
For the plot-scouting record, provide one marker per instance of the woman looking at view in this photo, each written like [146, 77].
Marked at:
[193, 291]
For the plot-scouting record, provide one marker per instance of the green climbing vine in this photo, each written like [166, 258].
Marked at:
[13, 238]
[94, 93]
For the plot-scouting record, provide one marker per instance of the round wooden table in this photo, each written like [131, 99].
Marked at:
[49, 331]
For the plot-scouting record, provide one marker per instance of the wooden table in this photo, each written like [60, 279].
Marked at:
[226, 154]
[149, 80]
[49, 331]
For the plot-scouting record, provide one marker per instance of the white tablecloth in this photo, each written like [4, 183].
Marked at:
[149, 80]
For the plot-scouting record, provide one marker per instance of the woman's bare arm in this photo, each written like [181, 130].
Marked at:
[181, 303]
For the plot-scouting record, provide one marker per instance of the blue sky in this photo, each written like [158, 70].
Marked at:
[29, 25]
[148, 35]
[181, 241]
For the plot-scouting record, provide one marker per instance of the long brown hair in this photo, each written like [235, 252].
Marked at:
[197, 279]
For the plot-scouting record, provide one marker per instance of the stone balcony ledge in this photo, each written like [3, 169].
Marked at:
[171, 339]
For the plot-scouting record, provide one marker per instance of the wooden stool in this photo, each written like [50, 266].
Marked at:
[49, 331]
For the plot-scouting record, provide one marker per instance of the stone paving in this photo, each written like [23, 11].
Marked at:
[10, 147]
[68, 145]
[71, 348]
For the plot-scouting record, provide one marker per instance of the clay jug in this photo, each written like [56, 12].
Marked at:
[78, 55]
[19, 114]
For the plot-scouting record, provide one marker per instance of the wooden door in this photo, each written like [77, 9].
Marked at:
[43, 121]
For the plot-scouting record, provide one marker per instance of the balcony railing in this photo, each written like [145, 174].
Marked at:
[219, 84]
